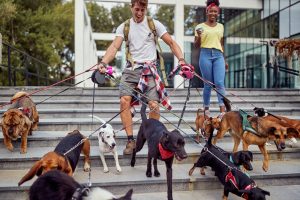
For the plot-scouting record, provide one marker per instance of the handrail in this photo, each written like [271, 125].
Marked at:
[18, 68]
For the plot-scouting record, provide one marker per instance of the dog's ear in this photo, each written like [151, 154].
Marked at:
[265, 192]
[36, 169]
[251, 156]
[165, 137]
[127, 195]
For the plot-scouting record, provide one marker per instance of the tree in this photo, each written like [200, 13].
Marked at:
[165, 15]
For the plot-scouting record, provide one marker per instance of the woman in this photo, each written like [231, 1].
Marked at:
[209, 37]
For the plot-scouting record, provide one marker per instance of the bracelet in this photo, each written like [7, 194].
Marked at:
[181, 59]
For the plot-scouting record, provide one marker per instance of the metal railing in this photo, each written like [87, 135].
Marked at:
[18, 68]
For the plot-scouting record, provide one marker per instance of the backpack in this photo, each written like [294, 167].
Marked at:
[158, 48]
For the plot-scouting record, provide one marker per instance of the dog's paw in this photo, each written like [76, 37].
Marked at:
[119, 170]
[265, 168]
[23, 151]
[105, 170]
[156, 174]
[86, 167]
[10, 148]
[202, 171]
[149, 174]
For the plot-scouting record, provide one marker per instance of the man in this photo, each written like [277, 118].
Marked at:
[143, 50]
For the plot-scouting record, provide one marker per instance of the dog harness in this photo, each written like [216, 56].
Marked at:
[165, 154]
[230, 177]
[246, 124]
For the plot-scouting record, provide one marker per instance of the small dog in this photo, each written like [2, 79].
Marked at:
[240, 158]
[234, 180]
[59, 186]
[19, 120]
[202, 124]
[162, 144]
[58, 160]
[107, 144]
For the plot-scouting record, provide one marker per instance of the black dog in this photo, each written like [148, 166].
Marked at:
[162, 144]
[240, 158]
[59, 186]
[233, 179]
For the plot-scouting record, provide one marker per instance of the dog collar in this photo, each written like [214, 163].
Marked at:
[165, 154]
[248, 187]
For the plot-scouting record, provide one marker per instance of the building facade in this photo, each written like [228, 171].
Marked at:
[249, 26]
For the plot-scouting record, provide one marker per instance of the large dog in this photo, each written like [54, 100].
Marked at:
[162, 144]
[63, 158]
[265, 130]
[19, 120]
[233, 179]
[107, 144]
[59, 186]
[284, 121]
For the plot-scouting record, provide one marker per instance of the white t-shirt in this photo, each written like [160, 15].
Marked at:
[141, 39]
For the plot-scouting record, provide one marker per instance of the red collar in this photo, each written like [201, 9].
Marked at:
[165, 154]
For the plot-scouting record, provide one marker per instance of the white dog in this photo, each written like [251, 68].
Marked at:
[107, 144]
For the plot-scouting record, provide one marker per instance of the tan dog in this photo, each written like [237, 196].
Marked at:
[60, 159]
[19, 120]
[266, 130]
[202, 123]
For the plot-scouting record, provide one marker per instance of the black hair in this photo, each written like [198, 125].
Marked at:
[208, 2]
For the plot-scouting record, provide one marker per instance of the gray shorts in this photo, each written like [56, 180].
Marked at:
[130, 80]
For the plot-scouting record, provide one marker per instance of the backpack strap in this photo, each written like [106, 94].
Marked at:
[159, 50]
[126, 33]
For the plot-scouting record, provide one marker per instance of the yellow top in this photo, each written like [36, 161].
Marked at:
[211, 36]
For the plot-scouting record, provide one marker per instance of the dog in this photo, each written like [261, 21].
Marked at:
[265, 130]
[62, 158]
[107, 144]
[202, 125]
[59, 186]
[19, 120]
[284, 121]
[233, 179]
[240, 158]
[162, 144]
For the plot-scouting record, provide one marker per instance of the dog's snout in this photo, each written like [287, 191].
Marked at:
[10, 130]
[282, 145]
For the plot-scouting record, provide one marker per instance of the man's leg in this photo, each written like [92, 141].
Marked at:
[127, 123]
[154, 110]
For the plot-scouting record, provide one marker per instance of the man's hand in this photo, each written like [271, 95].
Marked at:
[102, 67]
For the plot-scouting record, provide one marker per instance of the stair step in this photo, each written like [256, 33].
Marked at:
[135, 178]
[15, 160]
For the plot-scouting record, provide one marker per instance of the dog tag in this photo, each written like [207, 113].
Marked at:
[98, 77]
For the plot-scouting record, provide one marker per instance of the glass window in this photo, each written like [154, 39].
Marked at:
[294, 1]
[284, 3]
[284, 30]
[266, 8]
[274, 6]
[295, 16]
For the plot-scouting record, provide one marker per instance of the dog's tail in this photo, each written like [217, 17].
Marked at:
[98, 118]
[143, 112]
[227, 104]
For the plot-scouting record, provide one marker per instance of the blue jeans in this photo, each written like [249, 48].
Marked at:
[212, 67]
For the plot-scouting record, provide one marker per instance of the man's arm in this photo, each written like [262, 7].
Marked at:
[174, 47]
[110, 53]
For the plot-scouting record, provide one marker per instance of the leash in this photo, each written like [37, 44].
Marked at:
[186, 100]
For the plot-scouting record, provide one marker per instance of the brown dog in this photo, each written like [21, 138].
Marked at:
[203, 125]
[266, 130]
[19, 120]
[62, 158]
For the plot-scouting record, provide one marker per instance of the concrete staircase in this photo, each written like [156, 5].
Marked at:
[69, 110]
